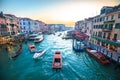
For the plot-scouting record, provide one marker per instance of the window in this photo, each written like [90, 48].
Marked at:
[23, 23]
[105, 26]
[24, 27]
[112, 17]
[110, 26]
[101, 34]
[104, 35]
[96, 33]
[108, 36]
[106, 18]
[100, 19]
[28, 23]
[119, 15]
[117, 26]
[115, 37]
[103, 18]
[101, 26]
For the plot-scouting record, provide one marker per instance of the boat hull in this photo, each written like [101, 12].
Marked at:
[96, 58]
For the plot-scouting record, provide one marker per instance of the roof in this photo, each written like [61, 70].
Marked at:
[25, 19]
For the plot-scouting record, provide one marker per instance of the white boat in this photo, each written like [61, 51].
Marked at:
[38, 38]
[39, 53]
[32, 36]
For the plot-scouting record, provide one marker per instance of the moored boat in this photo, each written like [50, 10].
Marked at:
[39, 54]
[32, 47]
[17, 52]
[38, 38]
[98, 56]
[32, 36]
[67, 37]
[57, 60]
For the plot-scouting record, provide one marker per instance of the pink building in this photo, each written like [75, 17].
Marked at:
[3, 28]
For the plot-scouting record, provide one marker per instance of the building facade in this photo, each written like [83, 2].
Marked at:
[103, 28]
[13, 24]
[106, 29]
[26, 25]
[3, 28]
[79, 25]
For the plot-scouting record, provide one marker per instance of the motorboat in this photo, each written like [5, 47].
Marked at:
[57, 60]
[32, 47]
[39, 54]
[38, 38]
[98, 56]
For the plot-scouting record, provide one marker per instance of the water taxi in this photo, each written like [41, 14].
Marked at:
[98, 56]
[32, 47]
[57, 60]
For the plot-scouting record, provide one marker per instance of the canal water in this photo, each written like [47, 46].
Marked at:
[76, 65]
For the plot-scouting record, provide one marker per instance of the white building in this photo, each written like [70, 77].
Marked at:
[26, 25]
[35, 26]
[29, 25]
[89, 26]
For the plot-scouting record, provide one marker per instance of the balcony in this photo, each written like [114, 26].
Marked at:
[106, 30]
[109, 21]
[107, 41]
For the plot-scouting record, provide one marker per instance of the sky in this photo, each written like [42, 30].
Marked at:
[55, 11]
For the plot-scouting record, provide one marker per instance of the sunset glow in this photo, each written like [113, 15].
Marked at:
[56, 11]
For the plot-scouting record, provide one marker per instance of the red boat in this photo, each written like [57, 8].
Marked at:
[57, 60]
[98, 56]
[32, 47]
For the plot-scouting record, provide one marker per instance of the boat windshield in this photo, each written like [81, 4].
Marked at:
[57, 59]
[32, 47]
[57, 52]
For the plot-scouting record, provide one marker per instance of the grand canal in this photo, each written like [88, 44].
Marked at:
[76, 65]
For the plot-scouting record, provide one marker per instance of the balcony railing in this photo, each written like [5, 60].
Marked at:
[106, 29]
[106, 41]
[108, 21]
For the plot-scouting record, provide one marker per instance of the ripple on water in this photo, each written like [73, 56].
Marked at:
[76, 65]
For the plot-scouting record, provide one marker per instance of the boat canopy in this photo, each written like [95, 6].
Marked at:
[93, 51]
